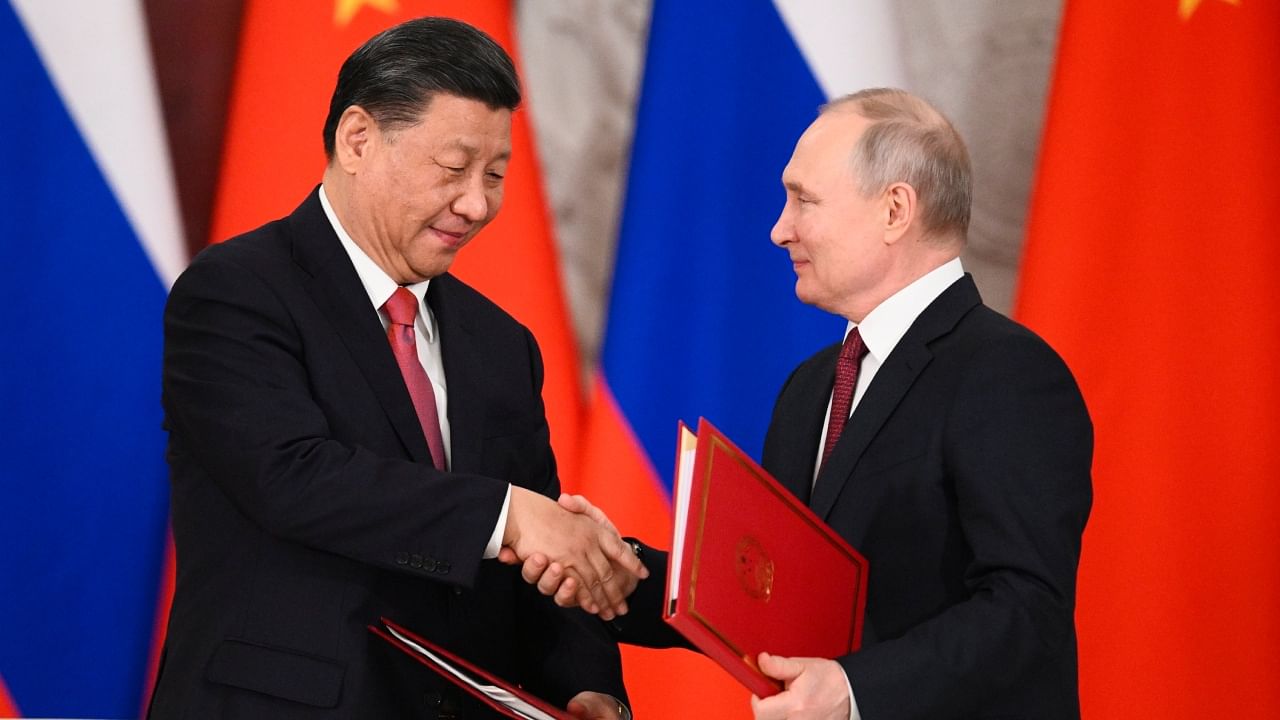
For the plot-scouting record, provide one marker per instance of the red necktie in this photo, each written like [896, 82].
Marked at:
[842, 397]
[402, 309]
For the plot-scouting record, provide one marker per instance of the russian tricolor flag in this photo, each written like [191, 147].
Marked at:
[703, 318]
[90, 242]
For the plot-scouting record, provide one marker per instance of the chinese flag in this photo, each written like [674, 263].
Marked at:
[1152, 265]
[288, 62]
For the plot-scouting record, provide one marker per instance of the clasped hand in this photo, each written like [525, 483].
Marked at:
[572, 551]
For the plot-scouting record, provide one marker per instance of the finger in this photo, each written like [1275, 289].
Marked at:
[765, 709]
[533, 570]
[611, 584]
[567, 594]
[779, 668]
[550, 581]
[621, 554]
[508, 556]
[586, 600]
[603, 591]
[625, 583]
[593, 706]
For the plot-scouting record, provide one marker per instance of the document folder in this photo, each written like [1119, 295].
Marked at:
[507, 699]
[752, 568]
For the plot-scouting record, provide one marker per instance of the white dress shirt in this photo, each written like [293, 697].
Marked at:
[380, 286]
[881, 330]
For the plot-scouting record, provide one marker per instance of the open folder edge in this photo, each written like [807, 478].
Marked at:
[497, 694]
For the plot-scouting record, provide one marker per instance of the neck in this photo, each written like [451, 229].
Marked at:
[910, 268]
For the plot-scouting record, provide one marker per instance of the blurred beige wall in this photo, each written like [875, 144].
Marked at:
[984, 63]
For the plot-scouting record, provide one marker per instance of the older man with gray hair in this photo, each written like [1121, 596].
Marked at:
[947, 443]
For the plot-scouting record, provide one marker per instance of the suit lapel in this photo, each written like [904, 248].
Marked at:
[899, 372]
[799, 425]
[464, 371]
[336, 289]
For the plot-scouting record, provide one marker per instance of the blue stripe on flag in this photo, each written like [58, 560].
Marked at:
[703, 318]
[83, 498]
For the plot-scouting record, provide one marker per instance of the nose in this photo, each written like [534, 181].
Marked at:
[783, 233]
[472, 201]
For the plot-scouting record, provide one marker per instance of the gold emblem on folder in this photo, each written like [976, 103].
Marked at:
[755, 568]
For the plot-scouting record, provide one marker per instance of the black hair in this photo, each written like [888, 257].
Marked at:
[395, 73]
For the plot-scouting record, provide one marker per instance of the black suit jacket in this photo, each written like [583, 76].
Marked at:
[964, 478]
[305, 506]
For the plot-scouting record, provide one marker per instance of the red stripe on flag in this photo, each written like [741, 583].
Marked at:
[618, 478]
[8, 708]
[163, 603]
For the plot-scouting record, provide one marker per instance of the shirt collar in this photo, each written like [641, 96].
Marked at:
[377, 283]
[885, 325]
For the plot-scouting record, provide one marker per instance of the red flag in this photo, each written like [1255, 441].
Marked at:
[1151, 265]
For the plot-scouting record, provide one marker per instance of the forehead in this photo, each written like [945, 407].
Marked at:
[468, 125]
[826, 146]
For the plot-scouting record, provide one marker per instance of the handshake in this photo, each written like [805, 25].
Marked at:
[571, 551]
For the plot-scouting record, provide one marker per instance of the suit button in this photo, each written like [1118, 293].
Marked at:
[415, 561]
[434, 700]
[402, 558]
[429, 565]
[443, 568]
[457, 591]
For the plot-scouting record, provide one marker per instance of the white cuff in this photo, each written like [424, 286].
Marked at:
[495, 540]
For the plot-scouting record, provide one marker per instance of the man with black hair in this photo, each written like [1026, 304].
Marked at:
[355, 433]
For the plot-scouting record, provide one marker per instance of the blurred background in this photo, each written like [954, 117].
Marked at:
[1129, 149]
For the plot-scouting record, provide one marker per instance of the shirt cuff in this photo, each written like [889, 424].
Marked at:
[853, 701]
[495, 540]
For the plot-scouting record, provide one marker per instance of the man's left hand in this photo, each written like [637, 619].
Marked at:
[589, 705]
[816, 689]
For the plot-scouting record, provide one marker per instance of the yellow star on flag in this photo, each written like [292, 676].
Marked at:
[1187, 7]
[344, 10]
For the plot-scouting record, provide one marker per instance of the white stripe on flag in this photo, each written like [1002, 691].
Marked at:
[849, 45]
[98, 57]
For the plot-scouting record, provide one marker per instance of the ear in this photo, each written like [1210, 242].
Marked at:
[352, 140]
[901, 205]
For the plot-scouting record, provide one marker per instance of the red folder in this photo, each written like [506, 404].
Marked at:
[465, 675]
[752, 568]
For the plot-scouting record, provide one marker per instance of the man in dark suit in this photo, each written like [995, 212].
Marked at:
[353, 431]
[956, 457]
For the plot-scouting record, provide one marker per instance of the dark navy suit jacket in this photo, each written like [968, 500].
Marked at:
[305, 506]
[964, 478]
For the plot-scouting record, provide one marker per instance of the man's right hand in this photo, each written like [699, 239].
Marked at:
[587, 555]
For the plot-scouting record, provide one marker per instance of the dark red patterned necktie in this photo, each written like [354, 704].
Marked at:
[402, 309]
[842, 397]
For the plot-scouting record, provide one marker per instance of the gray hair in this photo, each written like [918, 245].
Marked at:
[910, 141]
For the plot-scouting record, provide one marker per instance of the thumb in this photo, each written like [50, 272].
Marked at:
[573, 503]
[780, 668]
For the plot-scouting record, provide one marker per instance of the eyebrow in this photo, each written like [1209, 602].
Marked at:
[472, 150]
